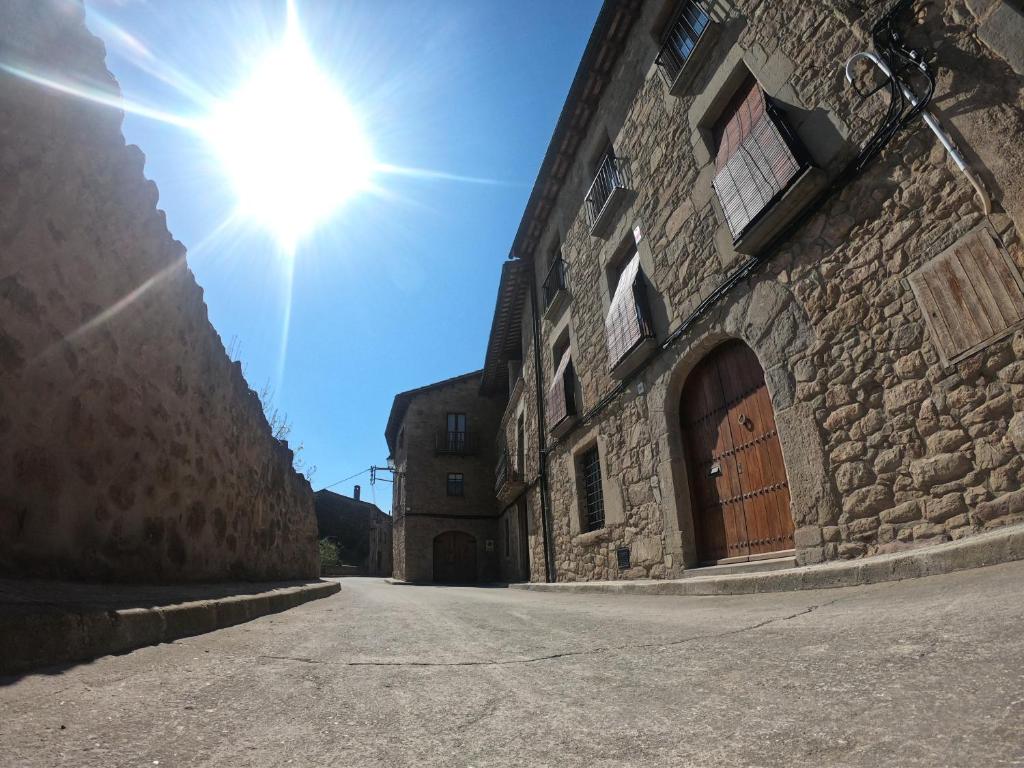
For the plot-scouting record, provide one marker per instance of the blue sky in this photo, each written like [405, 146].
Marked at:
[397, 289]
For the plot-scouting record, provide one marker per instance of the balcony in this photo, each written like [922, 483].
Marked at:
[606, 195]
[686, 42]
[556, 286]
[508, 480]
[455, 443]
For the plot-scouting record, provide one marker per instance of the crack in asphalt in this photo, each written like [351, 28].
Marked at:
[564, 654]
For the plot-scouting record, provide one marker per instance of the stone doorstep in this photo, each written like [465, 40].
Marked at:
[989, 548]
[36, 633]
[752, 566]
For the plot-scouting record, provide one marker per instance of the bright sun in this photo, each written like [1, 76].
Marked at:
[289, 142]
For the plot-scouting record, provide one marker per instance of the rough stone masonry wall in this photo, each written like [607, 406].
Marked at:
[131, 447]
[426, 509]
[884, 447]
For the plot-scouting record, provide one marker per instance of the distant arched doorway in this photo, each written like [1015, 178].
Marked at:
[738, 488]
[454, 558]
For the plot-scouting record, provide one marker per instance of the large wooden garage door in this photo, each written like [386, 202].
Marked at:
[738, 487]
[454, 558]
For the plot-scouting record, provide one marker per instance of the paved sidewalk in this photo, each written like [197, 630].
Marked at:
[53, 622]
[1004, 545]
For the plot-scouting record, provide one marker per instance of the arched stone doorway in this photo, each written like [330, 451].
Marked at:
[454, 558]
[738, 488]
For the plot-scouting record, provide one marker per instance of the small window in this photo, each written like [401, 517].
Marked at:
[456, 486]
[608, 177]
[457, 422]
[593, 495]
[456, 435]
[681, 36]
[556, 280]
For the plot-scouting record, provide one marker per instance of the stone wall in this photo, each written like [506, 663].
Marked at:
[131, 447]
[884, 447]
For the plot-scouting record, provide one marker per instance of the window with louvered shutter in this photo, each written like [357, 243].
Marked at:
[755, 160]
[628, 321]
[562, 395]
[971, 295]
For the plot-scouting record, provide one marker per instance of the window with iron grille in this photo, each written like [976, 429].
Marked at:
[593, 496]
[561, 401]
[681, 36]
[757, 157]
[455, 484]
[628, 321]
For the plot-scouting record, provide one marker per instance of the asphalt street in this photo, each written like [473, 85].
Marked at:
[927, 672]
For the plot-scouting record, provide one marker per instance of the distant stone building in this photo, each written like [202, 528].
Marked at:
[448, 527]
[131, 446]
[360, 530]
[749, 314]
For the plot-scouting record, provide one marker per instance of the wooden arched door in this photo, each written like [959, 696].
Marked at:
[738, 488]
[454, 558]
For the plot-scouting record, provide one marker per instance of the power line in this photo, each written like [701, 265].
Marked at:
[346, 479]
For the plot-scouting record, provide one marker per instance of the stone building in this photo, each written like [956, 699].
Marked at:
[360, 530]
[131, 447]
[448, 527]
[752, 314]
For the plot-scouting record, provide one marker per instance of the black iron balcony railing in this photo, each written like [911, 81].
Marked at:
[505, 474]
[556, 281]
[455, 442]
[681, 38]
[609, 178]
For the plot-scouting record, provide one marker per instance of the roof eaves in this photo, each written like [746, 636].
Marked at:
[507, 311]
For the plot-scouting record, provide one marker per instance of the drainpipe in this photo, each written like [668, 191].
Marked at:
[542, 453]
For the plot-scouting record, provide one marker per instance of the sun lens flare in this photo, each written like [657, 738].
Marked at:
[289, 142]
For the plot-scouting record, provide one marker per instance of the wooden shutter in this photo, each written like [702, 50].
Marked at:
[755, 162]
[562, 395]
[971, 295]
[628, 321]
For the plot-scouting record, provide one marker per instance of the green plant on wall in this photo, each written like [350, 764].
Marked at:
[328, 554]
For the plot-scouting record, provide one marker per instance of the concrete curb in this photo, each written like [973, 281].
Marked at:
[991, 548]
[38, 635]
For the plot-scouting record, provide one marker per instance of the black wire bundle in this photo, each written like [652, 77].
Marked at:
[901, 60]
